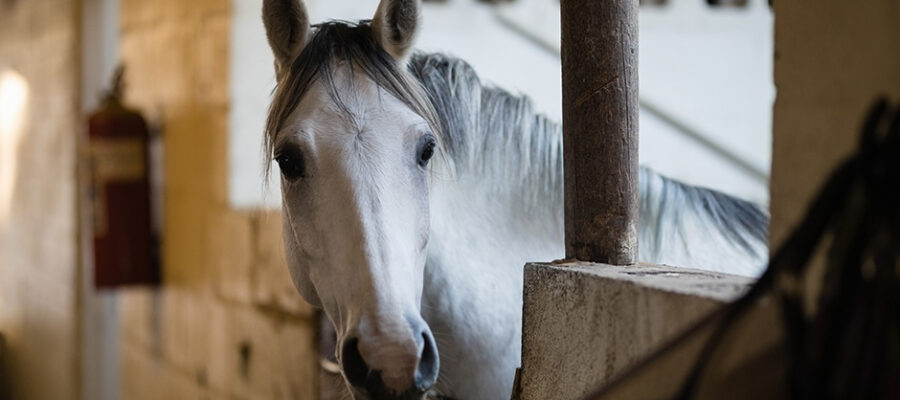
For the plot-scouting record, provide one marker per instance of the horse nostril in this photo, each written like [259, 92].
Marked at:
[429, 364]
[355, 368]
[359, 374]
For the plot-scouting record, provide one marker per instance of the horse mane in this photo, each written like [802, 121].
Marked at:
[489, 132]
[493, 133]
[664, 203]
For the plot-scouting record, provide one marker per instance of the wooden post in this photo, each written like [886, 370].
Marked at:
[600, 129]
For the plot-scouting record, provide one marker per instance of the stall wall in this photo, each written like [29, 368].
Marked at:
[39, 123]
[831, 61]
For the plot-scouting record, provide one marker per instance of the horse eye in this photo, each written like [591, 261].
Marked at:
[426, 151]
[291, 164]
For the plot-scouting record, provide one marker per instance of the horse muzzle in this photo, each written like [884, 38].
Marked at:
[374, 375]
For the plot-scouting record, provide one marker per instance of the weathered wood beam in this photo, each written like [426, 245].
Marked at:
[600, 129]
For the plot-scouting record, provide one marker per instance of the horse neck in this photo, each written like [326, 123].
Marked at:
[496, 203]
[507, 177]
[502, 178]
[504, 166]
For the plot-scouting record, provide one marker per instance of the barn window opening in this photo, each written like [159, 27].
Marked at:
[706, 86]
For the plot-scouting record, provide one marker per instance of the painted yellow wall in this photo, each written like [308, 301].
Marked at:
[227, 321]
[39, 123]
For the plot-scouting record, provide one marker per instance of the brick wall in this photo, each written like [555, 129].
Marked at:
[38, 270]
[227, 322]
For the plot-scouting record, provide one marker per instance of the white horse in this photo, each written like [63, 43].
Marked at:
[412, 255]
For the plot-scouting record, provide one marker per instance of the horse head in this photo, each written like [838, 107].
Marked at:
[352, 133]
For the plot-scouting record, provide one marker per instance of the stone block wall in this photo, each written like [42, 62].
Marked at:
[227, 322]
[39, 124]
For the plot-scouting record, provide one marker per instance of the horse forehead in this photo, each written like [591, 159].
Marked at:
[355, 105]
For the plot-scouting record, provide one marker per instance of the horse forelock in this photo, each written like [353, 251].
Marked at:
[341, 43]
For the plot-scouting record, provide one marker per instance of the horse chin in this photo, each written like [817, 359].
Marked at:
[434, 395]
[409, 395]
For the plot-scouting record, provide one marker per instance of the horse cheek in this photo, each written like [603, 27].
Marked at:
[298, 266]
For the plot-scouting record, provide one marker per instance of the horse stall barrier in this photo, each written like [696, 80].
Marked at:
[583, 322]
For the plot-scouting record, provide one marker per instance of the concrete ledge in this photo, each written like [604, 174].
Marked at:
[585, 323]
[749, 363]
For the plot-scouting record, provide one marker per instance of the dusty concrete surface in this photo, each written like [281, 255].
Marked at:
[39, 122]
[749, 364]
[585, 323]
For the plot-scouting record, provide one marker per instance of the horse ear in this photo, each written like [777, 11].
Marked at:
[287, 26]
[395, 25]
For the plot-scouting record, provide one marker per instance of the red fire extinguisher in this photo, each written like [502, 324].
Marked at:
[118, 153]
